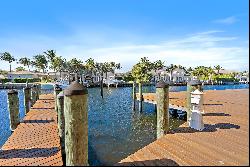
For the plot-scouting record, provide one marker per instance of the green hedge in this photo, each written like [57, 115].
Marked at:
[24, 80]
[5, 80]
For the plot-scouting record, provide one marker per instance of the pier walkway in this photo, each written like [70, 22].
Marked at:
[224, 141]
[35, 142]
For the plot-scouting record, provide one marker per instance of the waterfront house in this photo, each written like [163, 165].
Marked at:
[20, 74]
[178, 75]
[243, 77]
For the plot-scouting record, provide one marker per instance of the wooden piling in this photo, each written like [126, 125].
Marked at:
[134, 95]
[76, 124]
[13, 106]
[27, 99]
[33, 95]
[191, 86]
[61, 121]
[57, 90]
[140, 96]
[162, 100]
[39, 90]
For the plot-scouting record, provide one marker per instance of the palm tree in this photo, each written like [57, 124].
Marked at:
[141, 73]
[7, 57]
[58, 64]
[20, 69]
[218, 68]
[75, 66]
[170, 69]
[157, 65]
[50, 54]
[25, 62]
[40, 62]
[90, 66]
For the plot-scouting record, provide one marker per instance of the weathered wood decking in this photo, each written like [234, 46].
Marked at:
[35, 142]
[224, 141]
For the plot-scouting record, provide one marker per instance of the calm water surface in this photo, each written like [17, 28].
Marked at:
[115, 130]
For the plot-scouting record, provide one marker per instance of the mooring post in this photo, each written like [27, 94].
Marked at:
[140, 96]
[27, 99]
[76, 124]
[61, 122]
[162, 100]
[13, 105]
[33, 94]
[134, 94]
[57, 90]
[191, 86]
[37, 91]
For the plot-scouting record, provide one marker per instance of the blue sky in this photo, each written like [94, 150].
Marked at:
[186, 32]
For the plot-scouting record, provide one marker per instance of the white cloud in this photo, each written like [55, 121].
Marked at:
[203, 48]
[228, 20]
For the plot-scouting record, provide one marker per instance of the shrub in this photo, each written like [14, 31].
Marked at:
[24, 80]
[4, 80]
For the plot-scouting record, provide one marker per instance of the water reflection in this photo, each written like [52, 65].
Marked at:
[115, 130]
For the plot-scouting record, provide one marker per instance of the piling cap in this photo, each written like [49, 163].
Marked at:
[75, 88]
[162, 84]
[194, 82]
[60, 95]
[12, 91]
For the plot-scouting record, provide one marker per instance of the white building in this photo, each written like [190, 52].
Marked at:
[178, 75]
[20, 74]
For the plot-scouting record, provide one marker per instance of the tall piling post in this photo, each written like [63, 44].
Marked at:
[27, 99]
[37, 91]
[76, 124]
[33, 94]
[134, 94]
[61, 120]
[191, 86]
[57, 90]
[140, 96]
[162, 100]
[13, 106]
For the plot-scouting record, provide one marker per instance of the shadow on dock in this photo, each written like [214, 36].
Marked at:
[216, 104]
[159, 162]
[207, 128]
[28, 153]
[215, 114]
[42, 108]
[37, 121]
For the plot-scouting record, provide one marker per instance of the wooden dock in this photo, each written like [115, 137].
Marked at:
[35, 142]
[224, 141]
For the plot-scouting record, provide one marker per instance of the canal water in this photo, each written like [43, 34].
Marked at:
[115, 130]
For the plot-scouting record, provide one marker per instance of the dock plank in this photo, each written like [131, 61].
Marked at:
[35, 142]
[224, 141]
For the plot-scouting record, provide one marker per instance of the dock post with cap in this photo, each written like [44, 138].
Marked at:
[27, 99]
[61, 119]
[13, 106]
[76, 124]
[57, 90]
[162, 100]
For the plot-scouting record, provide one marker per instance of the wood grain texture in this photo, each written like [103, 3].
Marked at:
[224, 141]
[36, 140]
